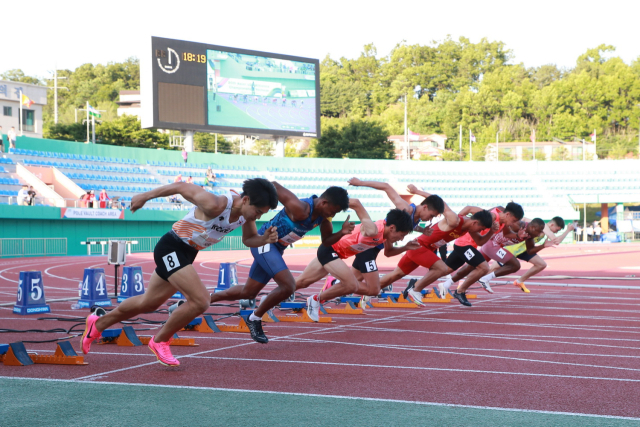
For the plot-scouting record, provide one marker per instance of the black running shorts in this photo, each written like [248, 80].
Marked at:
[462, 255]
[326, 254]
[172, 254]
[365, 262]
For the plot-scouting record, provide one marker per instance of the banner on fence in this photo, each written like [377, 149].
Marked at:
[79, 213]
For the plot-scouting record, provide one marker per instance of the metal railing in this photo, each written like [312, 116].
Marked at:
[75, 203]
[147, 244]
[46, 246]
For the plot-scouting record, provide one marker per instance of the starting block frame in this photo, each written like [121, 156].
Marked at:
[15, 354]
[301, 315]
[127, 337]
[206, 324]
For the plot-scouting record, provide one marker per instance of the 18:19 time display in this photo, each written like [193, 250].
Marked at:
[192, 57]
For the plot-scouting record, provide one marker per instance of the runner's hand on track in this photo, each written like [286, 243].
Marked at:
[137, 202]
[271, 235]
[347, 227]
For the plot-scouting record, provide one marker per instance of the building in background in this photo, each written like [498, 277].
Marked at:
[551, 150]
[129, 103]
[419, 145]
[31, 114]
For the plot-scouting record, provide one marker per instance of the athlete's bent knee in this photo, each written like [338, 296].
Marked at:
[483, 268]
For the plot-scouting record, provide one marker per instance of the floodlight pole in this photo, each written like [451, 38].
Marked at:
[55, 95]
[280, 142]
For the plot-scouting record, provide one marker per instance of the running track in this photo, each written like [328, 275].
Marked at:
[558, 349]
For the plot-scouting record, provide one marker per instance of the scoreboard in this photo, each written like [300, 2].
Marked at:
[196, 86]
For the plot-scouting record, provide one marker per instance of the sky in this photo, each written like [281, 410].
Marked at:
[39, 36]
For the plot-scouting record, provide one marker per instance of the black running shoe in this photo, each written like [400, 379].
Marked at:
[410, 285]
[255, 327]
[462, 298]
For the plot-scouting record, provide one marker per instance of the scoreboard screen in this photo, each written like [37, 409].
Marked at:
[195, 86]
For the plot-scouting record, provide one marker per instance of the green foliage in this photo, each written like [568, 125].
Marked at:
[560, 153]
[356, 139]
[67, 132]
[126, 131]
[262, 147]
[451, 156]
[527, 154]
[206, 142]
[18, 75]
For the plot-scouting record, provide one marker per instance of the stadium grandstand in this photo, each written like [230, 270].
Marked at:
[62, 172]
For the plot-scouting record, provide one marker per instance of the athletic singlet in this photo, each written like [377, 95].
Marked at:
[440, 238]
[520, 248]
[202, 234]
[499, 238]
[467, 240]
[354, 243]
[413, 221]
[290, 231]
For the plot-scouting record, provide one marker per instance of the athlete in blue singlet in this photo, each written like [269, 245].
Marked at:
[298, 217]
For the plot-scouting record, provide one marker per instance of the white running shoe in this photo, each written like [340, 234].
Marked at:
[363, 302]
[270, 311]
[415, 297]
[313, 308]
[484, 282]
[441, 291]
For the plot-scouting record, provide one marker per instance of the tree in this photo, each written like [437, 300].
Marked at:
[66, 132]
[18, 75]
[206, 142]
[126, 131]
[262, 147]
[358, 139]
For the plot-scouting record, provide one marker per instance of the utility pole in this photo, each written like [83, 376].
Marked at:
[406, 134]
[55, 94]
[498, 146]
[460, 142]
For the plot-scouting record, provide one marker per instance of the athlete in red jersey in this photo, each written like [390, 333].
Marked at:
[330, 259]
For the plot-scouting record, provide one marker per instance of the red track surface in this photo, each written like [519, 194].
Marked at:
[556, 349]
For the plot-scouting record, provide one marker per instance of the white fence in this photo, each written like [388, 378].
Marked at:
[33, 247]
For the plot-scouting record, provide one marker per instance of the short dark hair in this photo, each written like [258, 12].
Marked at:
[401, 219]
[260, 192]
[559, 221]
[484, 218]
[336, 196]
[538, 221]
[515, 210]
[434, 202]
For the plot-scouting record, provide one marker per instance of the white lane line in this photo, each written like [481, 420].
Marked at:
[421, 368]
[330, 396]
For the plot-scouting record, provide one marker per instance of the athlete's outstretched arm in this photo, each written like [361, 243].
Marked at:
[390, 250]
[469, 210]
[392, 194]
[251, 238]
[560, 238]
[298, 209]
[329, 237]
[368, 228]
[210, 204]
[532, 249]
[450, 216]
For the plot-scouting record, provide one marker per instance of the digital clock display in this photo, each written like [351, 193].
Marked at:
[193, 57]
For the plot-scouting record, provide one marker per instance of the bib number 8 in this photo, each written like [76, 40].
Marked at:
[171, 261]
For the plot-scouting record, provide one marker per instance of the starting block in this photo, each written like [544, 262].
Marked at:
[15, 354]
[349, 309]
[394, 300]
[127, 337]
[207, 325]
[301, 315]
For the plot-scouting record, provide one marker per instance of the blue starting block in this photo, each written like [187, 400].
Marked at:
[227, 276]
[4, 348]
[353, 300]
[94, 289]
[293, 305]
[132, 283]
[178, 295]
[31, 298]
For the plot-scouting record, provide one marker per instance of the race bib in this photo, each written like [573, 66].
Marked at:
[171, 261]
[501, 253]
[264, 249]
[204, 240]
[371, 266]
[359, 247]
[469, 254]
[439, 243]
[290, 238]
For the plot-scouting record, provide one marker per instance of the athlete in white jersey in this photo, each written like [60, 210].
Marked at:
[211, 218]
